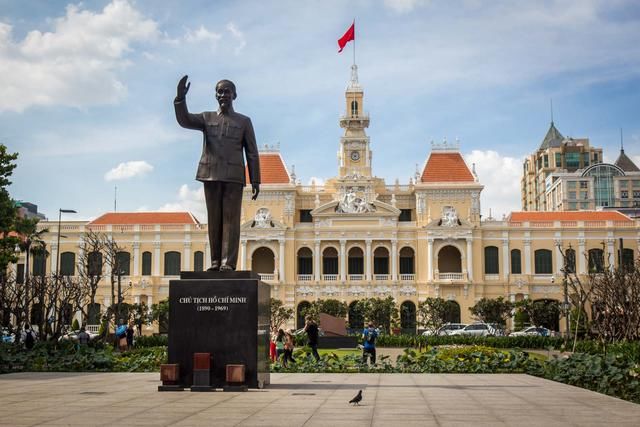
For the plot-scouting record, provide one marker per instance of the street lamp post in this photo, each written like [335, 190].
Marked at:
[60, 212]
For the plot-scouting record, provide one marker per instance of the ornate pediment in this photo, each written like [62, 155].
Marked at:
[378, 209]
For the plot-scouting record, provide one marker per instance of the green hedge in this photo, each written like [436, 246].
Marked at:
[69, 357]
[151, 341]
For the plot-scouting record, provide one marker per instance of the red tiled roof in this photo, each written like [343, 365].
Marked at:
[272, 169]
[145, 218]
[446, 167]
[568, 216]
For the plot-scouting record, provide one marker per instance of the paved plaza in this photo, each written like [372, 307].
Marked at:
[310, 400]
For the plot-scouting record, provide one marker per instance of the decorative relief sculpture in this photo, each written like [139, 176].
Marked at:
[351, 203]
[262, 219]
[449, 217]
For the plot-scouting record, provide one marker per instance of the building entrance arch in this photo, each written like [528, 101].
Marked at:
[449, 260]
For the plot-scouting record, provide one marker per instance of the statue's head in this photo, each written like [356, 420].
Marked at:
[225, 94]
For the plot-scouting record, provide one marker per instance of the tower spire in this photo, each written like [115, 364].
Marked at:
[551, 108]
[621, 142]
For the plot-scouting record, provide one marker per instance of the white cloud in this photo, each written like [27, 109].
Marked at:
[202, 35]
[403, 6]
[238, 36]
[188, 200]
[500, 176]
[75, 64]
[128, 170]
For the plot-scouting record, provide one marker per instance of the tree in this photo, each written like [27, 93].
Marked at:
[432, 312]
[615, 304]
[280, 314]
[492, 310]
[160, 314]
[382, 312]
[8, 210]
[91, 265]
[540, 313]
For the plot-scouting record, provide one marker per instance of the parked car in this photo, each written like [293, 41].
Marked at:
[446, 329]
[7, 336]
[73, 336]
[476, 329]
[532, 330]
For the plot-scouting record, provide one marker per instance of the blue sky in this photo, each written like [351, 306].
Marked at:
[87, 88]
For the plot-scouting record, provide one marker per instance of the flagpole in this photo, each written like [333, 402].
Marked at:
[354, 41]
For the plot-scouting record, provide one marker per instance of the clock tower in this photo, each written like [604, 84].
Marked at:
[354, 156]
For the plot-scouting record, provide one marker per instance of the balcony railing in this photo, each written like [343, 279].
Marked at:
[330, 277]
[356, 277]
[305, 277]
[408, 277]
[267, 276]
[381, 277]
[451, 276]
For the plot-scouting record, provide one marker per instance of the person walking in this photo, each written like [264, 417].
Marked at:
[311, 328]
[289, 345]
[280, 341]
[369, 349]
[83, 337]
[29, 337]
[130, 332]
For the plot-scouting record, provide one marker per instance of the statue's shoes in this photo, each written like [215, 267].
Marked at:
[225, 267]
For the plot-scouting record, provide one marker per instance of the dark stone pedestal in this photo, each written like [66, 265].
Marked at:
[170, 388]
[225, 314]
[337, 342]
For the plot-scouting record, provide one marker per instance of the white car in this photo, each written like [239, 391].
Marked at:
[476, 329]
[532, 330]
[446, 329]
[73, 336]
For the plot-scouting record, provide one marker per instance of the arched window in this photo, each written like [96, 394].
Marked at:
[627, 259]
[491, 265]
[449, 260]
[596, 261]
[330, 261]
[543, 261]
[305, 261]
[67, 264]
[354, 108]
[123, 263]
[381, 261]
[198, 261]
[172, 263]
[263, 261]
[39, 264]
[66, 313]
[356, 261]
[93, 314]
[406, 261]
[408, 317]
[94, 259]
[570, 260]
[516, 262]
[146, 263]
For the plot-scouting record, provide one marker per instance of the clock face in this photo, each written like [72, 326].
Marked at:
[355, 156]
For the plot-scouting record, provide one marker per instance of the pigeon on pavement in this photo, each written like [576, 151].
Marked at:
[356, 400]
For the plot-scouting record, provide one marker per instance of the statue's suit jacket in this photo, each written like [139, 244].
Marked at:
[225, 137]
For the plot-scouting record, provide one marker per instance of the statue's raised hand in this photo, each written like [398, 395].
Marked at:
[183, 87]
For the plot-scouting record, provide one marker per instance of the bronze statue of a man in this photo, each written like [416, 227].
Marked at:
[227, 135]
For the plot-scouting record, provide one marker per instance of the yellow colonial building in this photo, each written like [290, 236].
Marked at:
[356, 236]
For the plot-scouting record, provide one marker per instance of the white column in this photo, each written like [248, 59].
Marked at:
[470, 259]
[429, 259]
[394, 260]
[316, 260]
[610, 256]
[136, 299]
[54, 258]
[527, 256]
[156, 258]
[581, 256]
[512, 298]
[506, 267]
[281, 260]
[136, 258]
[149, 301]
[243, 254]
[186, 256]
[559, 259]
[343, 261]
[367, 260]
